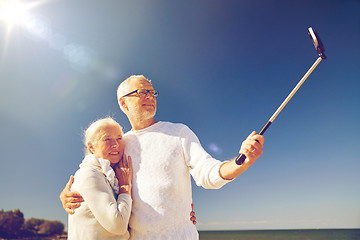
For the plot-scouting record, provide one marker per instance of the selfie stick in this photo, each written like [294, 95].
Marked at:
[320, 50]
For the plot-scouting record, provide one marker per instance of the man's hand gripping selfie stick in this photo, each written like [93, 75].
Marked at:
[320, 50]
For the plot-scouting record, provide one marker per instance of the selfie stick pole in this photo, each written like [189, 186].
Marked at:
[320, 50]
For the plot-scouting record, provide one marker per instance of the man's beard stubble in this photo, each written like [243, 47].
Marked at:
[142, 115]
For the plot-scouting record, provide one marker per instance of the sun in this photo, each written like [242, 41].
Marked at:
[13, 11]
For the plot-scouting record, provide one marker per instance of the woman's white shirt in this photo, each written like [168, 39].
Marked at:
[103, 215]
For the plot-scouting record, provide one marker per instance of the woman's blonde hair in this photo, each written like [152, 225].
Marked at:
[91, 134]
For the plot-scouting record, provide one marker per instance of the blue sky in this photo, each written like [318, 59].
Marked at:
[222, 68]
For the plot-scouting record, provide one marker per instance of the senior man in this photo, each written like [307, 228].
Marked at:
[164, 155]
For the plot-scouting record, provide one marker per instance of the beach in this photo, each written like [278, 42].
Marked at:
[303, 234]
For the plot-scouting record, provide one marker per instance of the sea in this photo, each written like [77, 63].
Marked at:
[303, 234]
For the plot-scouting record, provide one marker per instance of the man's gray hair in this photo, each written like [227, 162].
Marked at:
[123, 86]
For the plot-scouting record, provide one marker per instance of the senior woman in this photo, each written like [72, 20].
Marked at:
[104, 182]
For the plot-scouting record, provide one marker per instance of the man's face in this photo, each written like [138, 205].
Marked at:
[141, 108]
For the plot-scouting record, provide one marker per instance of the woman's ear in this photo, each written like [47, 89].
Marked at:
[91, 148]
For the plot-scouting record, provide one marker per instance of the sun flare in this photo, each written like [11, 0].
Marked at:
[13, 11]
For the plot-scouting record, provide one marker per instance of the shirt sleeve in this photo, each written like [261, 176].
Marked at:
[203, 168]
[112, 214]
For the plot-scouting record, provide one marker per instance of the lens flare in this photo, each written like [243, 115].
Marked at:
[12, 12]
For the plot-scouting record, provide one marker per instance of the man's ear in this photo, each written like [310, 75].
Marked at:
[122, 104]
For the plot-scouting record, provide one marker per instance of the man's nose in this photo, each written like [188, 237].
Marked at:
[149, 95]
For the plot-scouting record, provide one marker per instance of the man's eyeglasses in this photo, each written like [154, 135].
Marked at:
[143, 92]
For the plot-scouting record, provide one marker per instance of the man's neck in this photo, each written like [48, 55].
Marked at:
[138, 125]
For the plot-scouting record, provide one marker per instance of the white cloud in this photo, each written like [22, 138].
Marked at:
[215, 148]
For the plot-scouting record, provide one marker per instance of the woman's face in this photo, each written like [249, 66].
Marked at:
[110, 144]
